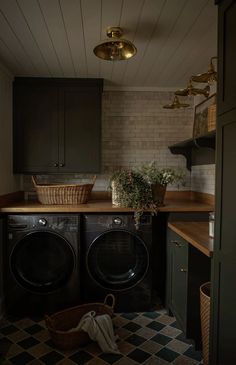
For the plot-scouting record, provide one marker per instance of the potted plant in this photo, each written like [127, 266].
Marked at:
[158, 179]
[130, 189]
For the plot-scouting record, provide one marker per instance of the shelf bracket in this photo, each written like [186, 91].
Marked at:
[185, 152]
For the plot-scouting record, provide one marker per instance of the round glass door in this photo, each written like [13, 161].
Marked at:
[42, 261]
[117, 260]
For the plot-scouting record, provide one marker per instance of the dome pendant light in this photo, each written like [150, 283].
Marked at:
[115, 48]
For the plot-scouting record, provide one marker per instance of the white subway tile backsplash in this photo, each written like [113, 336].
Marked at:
[203, 178]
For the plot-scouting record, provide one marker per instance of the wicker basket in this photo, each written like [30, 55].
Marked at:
[205, 319]
[59, 323]
[63, 194]
[211, 118]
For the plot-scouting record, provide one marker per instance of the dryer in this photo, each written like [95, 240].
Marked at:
[116, 259]
[42, 263]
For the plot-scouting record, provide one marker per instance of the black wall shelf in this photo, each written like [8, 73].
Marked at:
[203, 146]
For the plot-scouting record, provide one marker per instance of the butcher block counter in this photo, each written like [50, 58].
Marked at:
[174, 202]
[196, 233]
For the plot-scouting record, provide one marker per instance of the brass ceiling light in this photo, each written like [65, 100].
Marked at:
[115, 48]
[176, 104]
[210, 76]
[190, 90]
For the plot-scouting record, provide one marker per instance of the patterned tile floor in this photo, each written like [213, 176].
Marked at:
[150, 338]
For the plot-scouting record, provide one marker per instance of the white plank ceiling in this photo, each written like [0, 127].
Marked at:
[55, 38]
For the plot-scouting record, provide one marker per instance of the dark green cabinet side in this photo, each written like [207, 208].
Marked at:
[223, 315]
[57, 125]
[1, 266]
[226, 56]
[187, 270]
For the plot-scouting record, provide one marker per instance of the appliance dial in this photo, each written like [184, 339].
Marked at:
[42, 222]
[117, 221]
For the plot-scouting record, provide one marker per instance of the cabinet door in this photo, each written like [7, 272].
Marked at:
[35, 128]
[1, 267]
[80, 130]
[227, 56]
[222, 331]
[178, 277]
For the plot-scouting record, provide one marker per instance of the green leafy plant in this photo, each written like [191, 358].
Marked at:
[132, 190]
[154, 175]
[137, 188]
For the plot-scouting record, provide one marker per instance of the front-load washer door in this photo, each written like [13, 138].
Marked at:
[42, 261]
[117, 260]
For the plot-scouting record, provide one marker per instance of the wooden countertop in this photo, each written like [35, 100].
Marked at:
[97, 206]
[196, 233]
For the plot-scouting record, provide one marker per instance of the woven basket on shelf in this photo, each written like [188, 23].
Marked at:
[205, 319]
[211, 118]
[63, 194]
[59, 323]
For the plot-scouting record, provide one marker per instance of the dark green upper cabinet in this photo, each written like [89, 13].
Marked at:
[57, 125]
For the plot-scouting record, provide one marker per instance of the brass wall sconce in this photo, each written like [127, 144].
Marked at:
[190, 90]
[115, 48]
[210, 76]
[176, 104]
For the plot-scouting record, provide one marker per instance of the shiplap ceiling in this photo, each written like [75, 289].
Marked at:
[55, 38]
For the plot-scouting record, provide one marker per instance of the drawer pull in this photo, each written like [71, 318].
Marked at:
[183, 270]
[176, 243]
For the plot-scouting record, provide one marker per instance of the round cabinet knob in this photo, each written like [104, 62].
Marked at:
[55, 165]
[62, 165]
[42, 222]
[117, 221]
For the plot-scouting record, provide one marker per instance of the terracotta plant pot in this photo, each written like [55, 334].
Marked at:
[158, 193]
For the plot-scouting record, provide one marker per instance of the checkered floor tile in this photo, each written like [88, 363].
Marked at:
[151, 338]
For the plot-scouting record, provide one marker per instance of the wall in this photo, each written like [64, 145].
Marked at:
[8, 181]
[136, 130]
[203, 179]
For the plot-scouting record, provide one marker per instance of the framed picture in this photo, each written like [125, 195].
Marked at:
[205, 116]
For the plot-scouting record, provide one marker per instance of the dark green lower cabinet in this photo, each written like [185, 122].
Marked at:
[187, 270]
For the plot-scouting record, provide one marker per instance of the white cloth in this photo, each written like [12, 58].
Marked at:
[100, 329]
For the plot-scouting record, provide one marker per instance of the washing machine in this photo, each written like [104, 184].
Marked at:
[116, 259]
[42, 263]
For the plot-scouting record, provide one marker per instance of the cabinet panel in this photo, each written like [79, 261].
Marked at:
[187, 270]
[227, 56]
[35, 129]
[223, 336]
[80, 134]
[178, 264]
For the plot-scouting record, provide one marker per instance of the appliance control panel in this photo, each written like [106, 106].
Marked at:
[66, 223]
